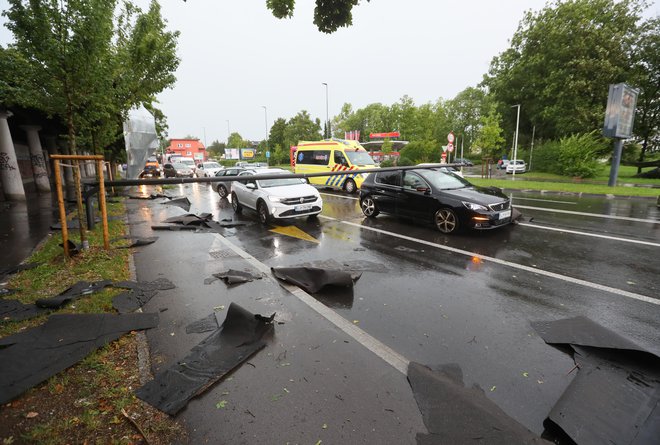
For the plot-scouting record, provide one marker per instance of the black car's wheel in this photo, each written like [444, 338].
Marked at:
[446, 221]
[349, 186]
[369, 207]
[262, 211]
[222, 191]
[235, 204]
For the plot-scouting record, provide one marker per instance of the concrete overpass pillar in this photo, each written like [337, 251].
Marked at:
[12, 182]
[37, 158]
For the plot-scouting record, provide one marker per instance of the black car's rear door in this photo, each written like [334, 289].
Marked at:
[386, 187]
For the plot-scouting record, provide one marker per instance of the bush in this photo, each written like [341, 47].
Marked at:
[403, 162]
[387, 163]
[578, 155]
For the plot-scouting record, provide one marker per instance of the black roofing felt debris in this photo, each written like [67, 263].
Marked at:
[240, 336]
[11, 270]
[189, 219]
[74, 249]
[615, 397]
[14, 310]
[454, 414]
[81, 288]
[232, 276]
[206, 324]
[136, 242]
[348, 266]
[184, 203]
[31, 357]
[139, 294]
[152, 196]
[313, 279]
[174, 228]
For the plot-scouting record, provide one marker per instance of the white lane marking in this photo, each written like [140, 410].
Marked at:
[389, 355]
[542, 200]
[546, 273]
[614, 238]
[595, 215]
[339, 196]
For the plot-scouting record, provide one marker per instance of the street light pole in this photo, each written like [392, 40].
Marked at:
[266, 121]
[228, 133]
[327, 116]
[515, 145]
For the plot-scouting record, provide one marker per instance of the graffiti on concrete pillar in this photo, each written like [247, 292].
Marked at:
[38, 165]
[4, 162]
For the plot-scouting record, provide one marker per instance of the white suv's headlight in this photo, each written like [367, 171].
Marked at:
[274, 198]
[473, 206]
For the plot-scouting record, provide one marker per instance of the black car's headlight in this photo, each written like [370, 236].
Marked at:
[474, 206]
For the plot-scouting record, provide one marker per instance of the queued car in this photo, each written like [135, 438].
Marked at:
[177, 170]
[439, 197]
[502, 163]
[275, 198]
[224, 187]
[208, 169]
[463, 161]
[518, 165]
[151, 168]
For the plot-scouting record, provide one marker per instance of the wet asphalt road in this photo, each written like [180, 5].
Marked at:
[466, 299]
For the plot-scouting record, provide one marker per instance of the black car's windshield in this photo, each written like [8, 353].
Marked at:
[359, 158]
[265, 183]
[444, 181]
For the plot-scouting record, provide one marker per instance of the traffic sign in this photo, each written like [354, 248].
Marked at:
[450, 147]
[444, 148]
[451, 137]
[268, 154]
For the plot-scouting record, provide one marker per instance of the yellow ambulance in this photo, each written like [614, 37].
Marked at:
[332, 155]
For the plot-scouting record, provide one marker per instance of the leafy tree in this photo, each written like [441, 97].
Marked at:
[647, 78]
[329, 15]
[421, 151]
[386, 147]
[560, 64]
[236, 141]
[216, 149]
[276, 136]
[489, 139]
[464, 113]
[302, 128]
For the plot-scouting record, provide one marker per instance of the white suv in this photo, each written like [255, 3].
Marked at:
[275, 198]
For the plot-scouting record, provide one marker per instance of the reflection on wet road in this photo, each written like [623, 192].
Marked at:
[469, 298]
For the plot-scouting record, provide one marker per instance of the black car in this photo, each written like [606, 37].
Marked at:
[463, 161]
[430, 194]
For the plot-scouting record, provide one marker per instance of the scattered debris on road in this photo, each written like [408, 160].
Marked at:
[313, 279]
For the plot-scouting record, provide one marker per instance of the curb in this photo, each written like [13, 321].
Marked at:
[581, 194]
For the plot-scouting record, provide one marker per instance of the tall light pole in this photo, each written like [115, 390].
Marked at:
[228, 133]
[327, 116]
[266, 120]
[515, 145]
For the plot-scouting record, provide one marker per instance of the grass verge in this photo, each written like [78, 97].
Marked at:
[568, 187]
[84, 403]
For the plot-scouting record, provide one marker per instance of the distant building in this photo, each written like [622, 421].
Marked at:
[189, 148]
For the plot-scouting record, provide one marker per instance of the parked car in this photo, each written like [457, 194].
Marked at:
[223, 187]
[178, 170]
[275, 198]
[519, 166]
[190, 162]
[430, 194]
[208, 169]
[463, 161]
[151, 169]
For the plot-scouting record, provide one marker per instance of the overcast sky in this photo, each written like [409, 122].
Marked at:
[236, 57]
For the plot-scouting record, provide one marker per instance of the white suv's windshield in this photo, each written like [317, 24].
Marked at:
[265, 183]
[359, 158]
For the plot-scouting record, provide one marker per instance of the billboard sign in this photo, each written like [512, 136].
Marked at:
[620, 111]
[247, 153]
[232, 153]
[391, 134]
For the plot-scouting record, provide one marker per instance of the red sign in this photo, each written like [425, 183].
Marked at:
[450, 147]
[392, 134]
[450, 137]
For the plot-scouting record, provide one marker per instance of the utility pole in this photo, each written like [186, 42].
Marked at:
[228, 133]
[327, 116]
[531, 152]
[515, 145]
[266, 120]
